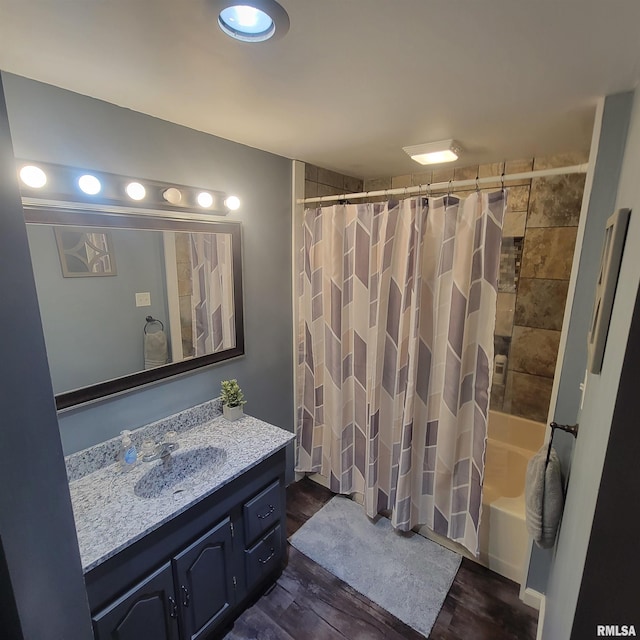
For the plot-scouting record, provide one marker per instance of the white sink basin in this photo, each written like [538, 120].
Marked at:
[179, 472]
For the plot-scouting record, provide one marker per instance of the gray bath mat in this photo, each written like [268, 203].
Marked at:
[409, 576]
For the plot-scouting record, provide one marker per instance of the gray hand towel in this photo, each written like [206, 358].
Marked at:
[155, 349]
[544, 497]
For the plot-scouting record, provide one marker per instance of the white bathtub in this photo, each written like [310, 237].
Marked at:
[511, 442]
[503, 535]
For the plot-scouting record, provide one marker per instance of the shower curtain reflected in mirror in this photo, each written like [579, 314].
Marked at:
[396, 323]
[212, 304]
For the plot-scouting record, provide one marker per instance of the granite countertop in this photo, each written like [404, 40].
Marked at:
[110, 516]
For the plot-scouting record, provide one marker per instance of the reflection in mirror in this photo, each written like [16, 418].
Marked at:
[85, 252]
[173, 304]
[205, 291]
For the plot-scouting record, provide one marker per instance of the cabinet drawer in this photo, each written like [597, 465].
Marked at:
[264, 557]
[262, 512]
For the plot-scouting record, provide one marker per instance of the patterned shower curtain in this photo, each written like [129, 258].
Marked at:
[212, 308]
[397, 315]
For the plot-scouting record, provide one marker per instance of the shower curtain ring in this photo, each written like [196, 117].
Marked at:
[449, 189]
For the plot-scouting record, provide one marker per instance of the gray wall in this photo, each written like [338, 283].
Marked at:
[593, 442]
[92, 327]
[40, 574]
[612, 565]
[615, 125]
[615, 122]
[51, 124]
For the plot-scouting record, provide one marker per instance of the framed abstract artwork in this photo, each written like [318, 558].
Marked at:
[85, 252]
[614, 237]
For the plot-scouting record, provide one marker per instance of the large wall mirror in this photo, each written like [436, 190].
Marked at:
[168, 298]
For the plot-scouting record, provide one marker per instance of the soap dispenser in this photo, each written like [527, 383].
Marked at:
[128, 454]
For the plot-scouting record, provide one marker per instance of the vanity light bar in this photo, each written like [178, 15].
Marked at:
[43, 181]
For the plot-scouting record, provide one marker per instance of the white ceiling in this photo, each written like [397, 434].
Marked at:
[353, 81]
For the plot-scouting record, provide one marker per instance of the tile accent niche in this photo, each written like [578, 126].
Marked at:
[538, 241]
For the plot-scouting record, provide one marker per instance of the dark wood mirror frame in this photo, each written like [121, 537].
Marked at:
[108, 388]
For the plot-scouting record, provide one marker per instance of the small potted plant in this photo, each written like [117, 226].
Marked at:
[232, 400]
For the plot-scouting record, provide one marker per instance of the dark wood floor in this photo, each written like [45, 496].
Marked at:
[309, 603]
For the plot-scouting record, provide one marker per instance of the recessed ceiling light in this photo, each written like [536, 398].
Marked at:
[205, 200]
[89, 184]
[136, 191]
[252, 20]
[434, 152]
[33, 177]
[232, 203]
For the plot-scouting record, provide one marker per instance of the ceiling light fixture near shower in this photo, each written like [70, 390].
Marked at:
[434, 152]
[252, 20]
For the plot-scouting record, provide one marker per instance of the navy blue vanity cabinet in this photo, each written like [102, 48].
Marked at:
[262, 512]
[204, 573]
[191, 577]
[149, 610]
[265, 556]
[264, 541]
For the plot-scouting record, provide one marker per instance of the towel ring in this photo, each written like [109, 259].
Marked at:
[569, 428]
[152, 320]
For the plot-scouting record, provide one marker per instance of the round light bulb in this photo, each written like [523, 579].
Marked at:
[136, 191]
[33, 177]
[89, 184]
[232, 203]
[205, 200]
[172, 195]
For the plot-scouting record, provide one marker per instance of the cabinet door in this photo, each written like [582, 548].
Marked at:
[205, 581]
[149, 610]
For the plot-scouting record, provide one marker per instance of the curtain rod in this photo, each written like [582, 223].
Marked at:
[450, 184]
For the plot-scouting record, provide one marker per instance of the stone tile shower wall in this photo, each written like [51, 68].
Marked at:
[322, 182]
[551, 227]
[539, 237]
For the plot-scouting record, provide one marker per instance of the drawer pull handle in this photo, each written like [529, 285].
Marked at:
[272, 553]
[185, 596]
[262, 516]
[173, 611]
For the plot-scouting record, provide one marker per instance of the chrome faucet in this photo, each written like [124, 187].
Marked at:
[161, 450]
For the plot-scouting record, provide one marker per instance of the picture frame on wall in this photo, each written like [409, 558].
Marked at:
[612, 249]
